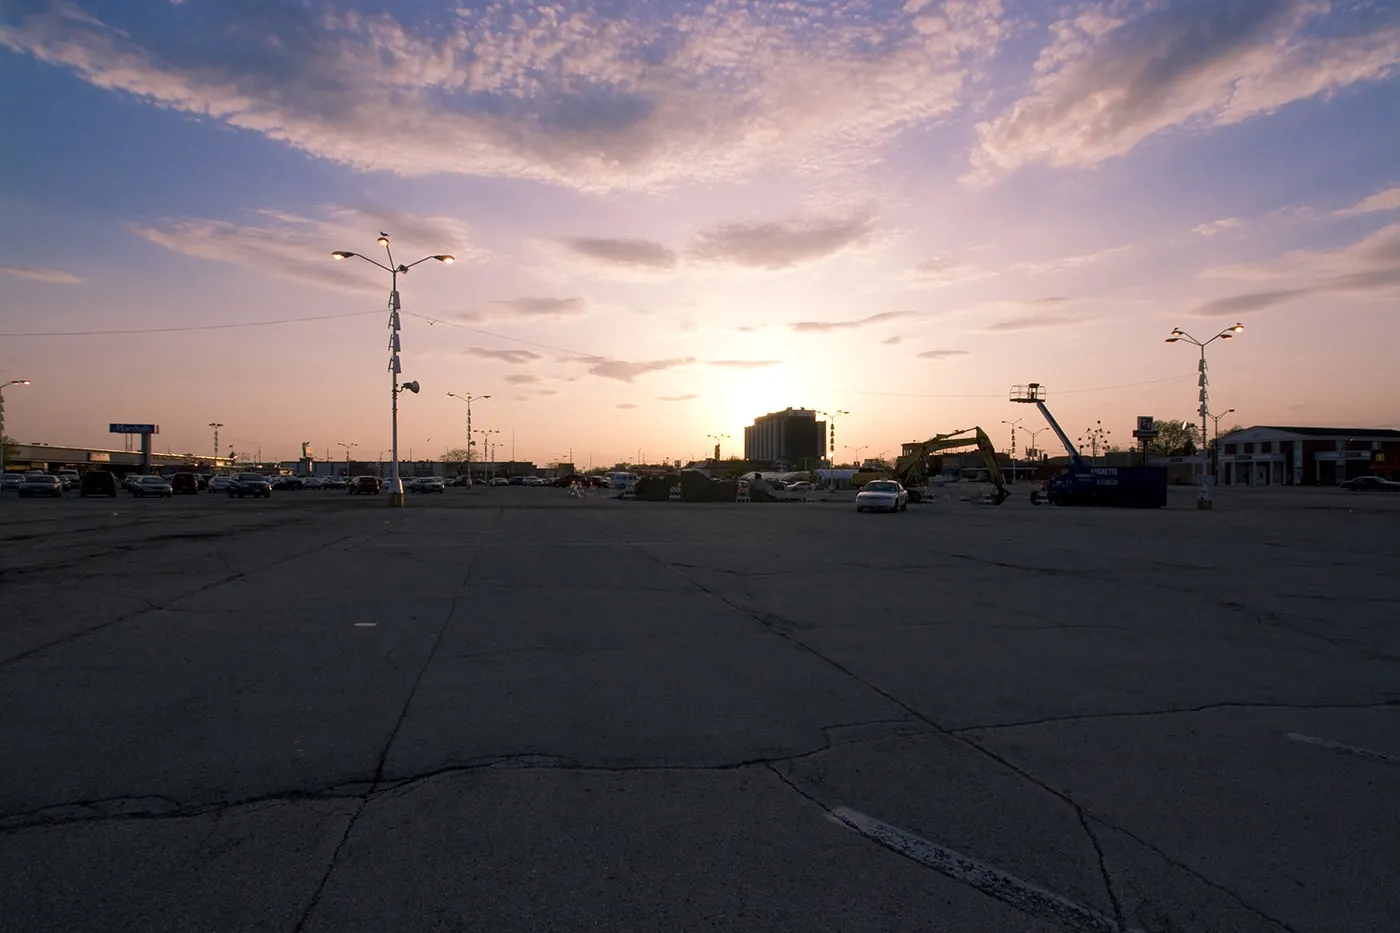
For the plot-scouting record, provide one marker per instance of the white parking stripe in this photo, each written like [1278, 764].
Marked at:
[1356, 750]
[1017, 892]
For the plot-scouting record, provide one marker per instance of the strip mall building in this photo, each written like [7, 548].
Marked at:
[1269, 455]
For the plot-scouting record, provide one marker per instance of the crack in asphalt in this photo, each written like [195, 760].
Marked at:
[975, 746]
[1171, 711]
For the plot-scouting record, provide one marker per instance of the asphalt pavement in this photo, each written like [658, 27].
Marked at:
[510, 710]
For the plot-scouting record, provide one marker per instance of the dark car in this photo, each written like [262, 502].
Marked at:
[249, 484]
[41, 484]
[98, 483]
[288, 482]
[569, 479]
[517, 481]
[364, 485]
[184, 484]
[1370, 484]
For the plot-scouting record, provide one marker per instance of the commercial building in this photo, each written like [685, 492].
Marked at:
[1266, 455]
[790, 437]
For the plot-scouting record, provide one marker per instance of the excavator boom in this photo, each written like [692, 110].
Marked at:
[909, 468]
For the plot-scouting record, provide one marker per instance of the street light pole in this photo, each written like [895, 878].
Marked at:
[396, 484]
[856, 461]
[347, 455]
[832, 446]
[1034, 434]
[216, 425]
[1013, 445]
[717, 438]
[3, 387]
[1204, 501]
[469, 398]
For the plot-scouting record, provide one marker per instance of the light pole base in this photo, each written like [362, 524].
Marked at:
[396, 500]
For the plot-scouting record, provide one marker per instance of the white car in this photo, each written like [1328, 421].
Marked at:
[499, 481]
[533, 481]
[152, 486]
[882, 495]
[313, 482]
[428, 484]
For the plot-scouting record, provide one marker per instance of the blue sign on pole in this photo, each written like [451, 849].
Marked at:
[133, 428]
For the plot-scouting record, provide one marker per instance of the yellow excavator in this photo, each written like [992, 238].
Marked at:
[911, 472]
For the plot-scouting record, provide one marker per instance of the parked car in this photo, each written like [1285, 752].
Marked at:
[885, 495]
[219, 483]
[1370, 484]
[97, 483]
[801, 486]
[152, 486]
[11, 482]
[428, 484]
[41, 484]
[287, 483]
[533, 481]
[463, 480]
[249, 484]
[185, 484]
[313, 482]
[70, 478]
[130, 481]
[499, 481]
[516, 481]
[568, 479]
[364, 486]
[337, 482]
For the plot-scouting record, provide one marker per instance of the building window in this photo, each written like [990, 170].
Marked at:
[1229, 448]
[1249, 448]
[1266, 447]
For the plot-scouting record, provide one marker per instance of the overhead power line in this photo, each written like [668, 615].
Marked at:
[187, 327]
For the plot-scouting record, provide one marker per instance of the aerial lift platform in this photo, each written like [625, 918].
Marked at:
[1140, 487]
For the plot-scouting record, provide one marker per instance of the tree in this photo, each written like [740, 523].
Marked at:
[1176, 438]
[10, 446]
[456, 455]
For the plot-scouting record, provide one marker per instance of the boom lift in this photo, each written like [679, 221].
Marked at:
[910, 470]
[1141, 487]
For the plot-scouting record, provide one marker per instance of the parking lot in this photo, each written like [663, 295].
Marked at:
[510, 709]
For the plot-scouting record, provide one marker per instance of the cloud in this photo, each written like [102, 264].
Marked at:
[1067, 262]
[624, 371]
[678, 398]
[827, 326]
[1035, 322]
[1107, 82]
[296, 247]
[781, 245]
[1253, 301]
[941, 354]
[541, 307]
[514, 357]
[629, 255]
[891, 341]
[1387, 200]
[1215, 226]
[944, 270]
[744, 364]
[568, 92]
[40, 274]
[521, 379]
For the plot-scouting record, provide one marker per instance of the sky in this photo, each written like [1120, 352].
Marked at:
[671, 217]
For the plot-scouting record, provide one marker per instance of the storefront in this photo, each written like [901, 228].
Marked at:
[1267, 455]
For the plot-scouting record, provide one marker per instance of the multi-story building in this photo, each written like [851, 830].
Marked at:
[791, 437]
[1274, 455]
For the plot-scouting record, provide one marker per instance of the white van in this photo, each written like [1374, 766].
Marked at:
[621, 480]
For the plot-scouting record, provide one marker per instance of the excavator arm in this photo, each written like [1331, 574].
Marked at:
[909, 468]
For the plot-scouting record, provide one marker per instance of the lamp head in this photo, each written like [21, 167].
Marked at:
[1173, 339]
[383, 239]
[341, 254]
[412, 387]
[446, 259]
[1238, 328]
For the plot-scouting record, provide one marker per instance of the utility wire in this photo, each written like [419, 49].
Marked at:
[189, 327]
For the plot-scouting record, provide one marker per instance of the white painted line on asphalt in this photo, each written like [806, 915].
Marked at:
[1356, 750]
[365, 624]
[1017, 892]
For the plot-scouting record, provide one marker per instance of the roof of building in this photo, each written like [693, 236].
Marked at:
[1329, 432]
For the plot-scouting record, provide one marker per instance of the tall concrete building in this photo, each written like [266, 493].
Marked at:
[789, 436]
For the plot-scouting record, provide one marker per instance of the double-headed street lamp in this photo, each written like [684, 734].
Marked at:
[396, 484]
[470, 443]
[833, 415]
[1034, 448]
[3, 387]
[717, 438]
[1204, 501]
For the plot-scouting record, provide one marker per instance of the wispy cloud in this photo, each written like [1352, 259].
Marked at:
[941, 354]
[626, 405]
[891, 341]
[744, 364]
[40, 274]
[1035, 322]
[624, 371]
[296, 247]
[1067, 262]
[571, 93]
[1387, 200]
[678, 398]
[1115, 76]
[626, 256]
[945, 270]
[1215, 226]
[522, 379]
[540, 307]
[854, 324]
[781, 244]
[514, 357]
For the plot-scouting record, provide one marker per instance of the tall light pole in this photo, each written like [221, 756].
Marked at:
[1013, 445]
[856, 461]
[1204, 501]
[717, 438]
[832, 426]
[1212, 452]
[487, 444]
[3, 387]
[216, 425]
[469, 398]
[1034, 447]
[347, 455]
[396, 484]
